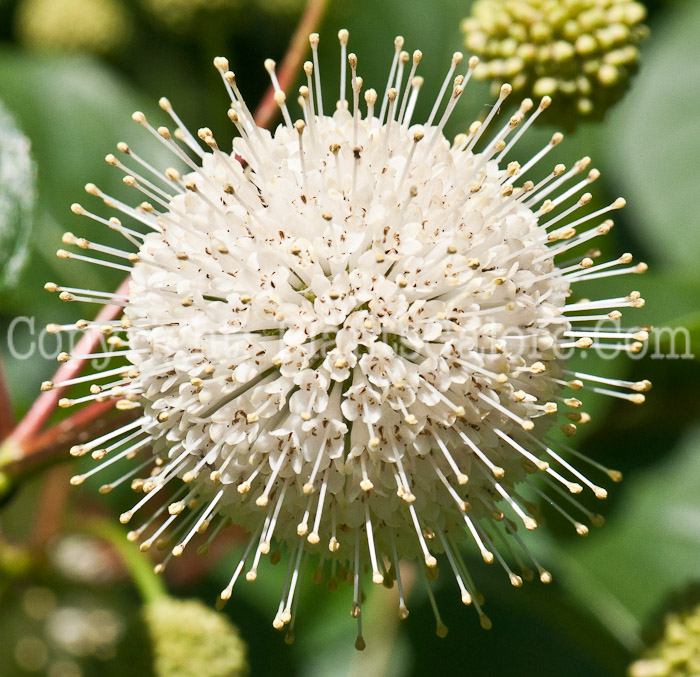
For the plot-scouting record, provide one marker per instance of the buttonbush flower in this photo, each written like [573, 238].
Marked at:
[349, 335]
[582, 53]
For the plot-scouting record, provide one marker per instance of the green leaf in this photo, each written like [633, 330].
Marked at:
[74, 110]
[653, 137]
[17, 194]
[649, 547]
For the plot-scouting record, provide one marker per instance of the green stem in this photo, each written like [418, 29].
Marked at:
[148, 583]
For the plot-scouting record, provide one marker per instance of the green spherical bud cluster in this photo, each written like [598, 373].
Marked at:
[582, 53]
[97, 26]
[677, 654]
[190, 639]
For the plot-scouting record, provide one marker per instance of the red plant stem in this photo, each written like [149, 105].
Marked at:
[313, 13]
[69, 427]
[7, 418]
[46, 402]
[74, 429]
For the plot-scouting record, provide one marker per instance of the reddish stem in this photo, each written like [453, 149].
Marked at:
[69, 428]
[79, 427]
[7, 418]
[46, 402]
[268, 108]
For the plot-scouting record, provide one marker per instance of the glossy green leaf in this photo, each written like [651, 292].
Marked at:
[17, 194]
[649, 548]
[654, 135]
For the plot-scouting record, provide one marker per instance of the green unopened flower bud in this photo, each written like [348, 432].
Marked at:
[677, 654]
[190, 639]
[97, 26]
[582, 53]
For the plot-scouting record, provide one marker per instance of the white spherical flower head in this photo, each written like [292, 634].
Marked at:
[349, 336]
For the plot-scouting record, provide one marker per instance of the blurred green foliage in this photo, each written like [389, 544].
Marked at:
[74, 108]
[98, 26]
